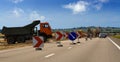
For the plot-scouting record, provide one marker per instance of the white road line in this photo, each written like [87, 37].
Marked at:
[114, 43]
[69, 47]
[49, 55]
[78, 44]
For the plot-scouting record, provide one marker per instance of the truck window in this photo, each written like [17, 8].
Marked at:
[46, 26]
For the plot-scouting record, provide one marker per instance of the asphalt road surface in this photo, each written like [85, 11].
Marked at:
[95, 50]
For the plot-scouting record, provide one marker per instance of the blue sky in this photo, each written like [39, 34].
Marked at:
[60, 13]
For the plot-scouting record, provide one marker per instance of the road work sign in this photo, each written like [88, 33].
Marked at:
[78, 34]
[72, 36]
[59, 36]
[66, 35]
[38, 42]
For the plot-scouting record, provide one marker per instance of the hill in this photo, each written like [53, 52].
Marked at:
[103, 29]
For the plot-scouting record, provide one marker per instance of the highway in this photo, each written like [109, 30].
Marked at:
[95, 50]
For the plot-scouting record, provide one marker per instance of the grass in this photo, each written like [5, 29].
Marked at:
[117, 36]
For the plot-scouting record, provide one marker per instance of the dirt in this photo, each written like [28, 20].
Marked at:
[4, 45]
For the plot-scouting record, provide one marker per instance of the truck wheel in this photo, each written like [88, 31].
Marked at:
[23, 40]
[45, 39]
[44, 36]
[10, 40]
[20, 40]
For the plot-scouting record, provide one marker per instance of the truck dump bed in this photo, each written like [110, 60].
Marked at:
[28, 29]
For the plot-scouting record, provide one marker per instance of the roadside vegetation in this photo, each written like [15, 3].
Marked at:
[117, 36]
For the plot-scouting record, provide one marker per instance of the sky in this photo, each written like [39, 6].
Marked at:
[60, 13]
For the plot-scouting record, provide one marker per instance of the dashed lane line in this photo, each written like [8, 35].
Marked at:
[52, 54]
[69, 47]
[78, 44]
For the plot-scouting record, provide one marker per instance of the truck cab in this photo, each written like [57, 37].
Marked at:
[45, 30]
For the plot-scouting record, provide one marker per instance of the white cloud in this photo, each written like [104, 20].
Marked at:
[84, 5]
[103, 1]
[98, 6]
[34, 15]
[16, 1]
[42, 17]
[80, 6]
[17, 12]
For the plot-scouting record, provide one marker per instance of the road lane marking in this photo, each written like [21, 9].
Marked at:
[78, 44]
[114, 43]
[69, 47]
[49, 55]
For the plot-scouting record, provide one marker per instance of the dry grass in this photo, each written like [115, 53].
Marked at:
[4, 45]
[117, 36]
[1, 34]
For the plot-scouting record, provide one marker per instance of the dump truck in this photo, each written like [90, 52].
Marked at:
[21, 34]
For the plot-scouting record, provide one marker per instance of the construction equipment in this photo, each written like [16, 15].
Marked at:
[21, 34]
[45, 31]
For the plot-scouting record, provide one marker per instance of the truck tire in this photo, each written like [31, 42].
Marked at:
[45, 39]
[10, 40]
